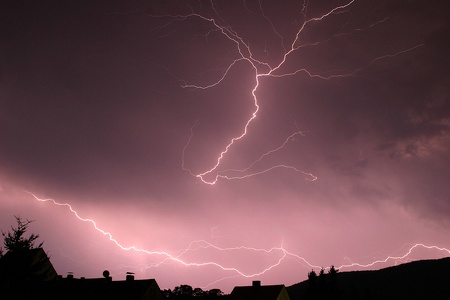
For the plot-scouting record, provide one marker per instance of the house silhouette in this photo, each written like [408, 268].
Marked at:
[103, 288]
[29, 274]
[260, 292]
[27, 265]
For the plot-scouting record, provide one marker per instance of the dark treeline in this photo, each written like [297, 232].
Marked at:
[185, 291]
[323, 286]
[424, 279]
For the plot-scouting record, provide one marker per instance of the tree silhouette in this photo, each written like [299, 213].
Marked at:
[333, 288]
[215, 292]
[167, 293]
[322, 280]
[198, 292]
[333, 271]
[333, 274]
[183, 290]
[312, 289]
[312, 276]
[186, 292]
[322, 272]
[15, 241]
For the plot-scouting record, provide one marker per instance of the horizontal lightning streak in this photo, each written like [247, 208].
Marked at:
[168, 256]
[245, 55]
[395, 258]
[175, 256]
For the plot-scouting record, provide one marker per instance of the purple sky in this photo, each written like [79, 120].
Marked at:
[118, 107]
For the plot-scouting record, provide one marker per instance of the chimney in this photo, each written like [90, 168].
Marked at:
[130, 276]
[256, 283]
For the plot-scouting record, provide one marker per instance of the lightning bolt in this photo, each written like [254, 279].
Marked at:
[263, 69]
[279, 253]
[176, 256]
[308, 176]
[396, 258]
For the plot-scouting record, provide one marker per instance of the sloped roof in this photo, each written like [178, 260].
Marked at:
[102, 288]
[29, 274]
[264, 292]
[29, 264]
[86, 289]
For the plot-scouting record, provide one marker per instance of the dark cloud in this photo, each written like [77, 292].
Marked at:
[94, 112]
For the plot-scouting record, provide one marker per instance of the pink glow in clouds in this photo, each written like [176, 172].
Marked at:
[332, 121]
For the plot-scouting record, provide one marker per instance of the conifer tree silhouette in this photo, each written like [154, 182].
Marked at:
[15, 241]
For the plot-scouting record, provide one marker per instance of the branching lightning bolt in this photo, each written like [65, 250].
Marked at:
[175, 257]
[262, 69]
[280, 252]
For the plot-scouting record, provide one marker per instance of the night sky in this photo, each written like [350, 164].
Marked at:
[332, 117]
